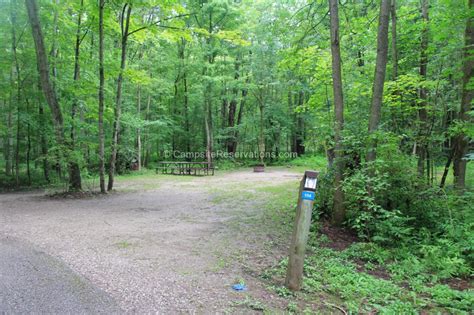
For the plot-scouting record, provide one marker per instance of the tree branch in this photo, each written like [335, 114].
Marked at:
[158, 22]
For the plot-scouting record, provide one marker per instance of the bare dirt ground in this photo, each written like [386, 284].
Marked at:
[159, 243]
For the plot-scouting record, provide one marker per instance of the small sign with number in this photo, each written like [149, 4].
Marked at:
[307, 195]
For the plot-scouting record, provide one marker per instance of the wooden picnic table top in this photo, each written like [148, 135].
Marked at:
[185, 168]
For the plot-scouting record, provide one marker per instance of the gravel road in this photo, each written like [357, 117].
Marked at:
[153, 246]
[33, 281]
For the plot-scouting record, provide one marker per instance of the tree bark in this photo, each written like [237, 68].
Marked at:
[28, 144]
[224, 107]
[43, 141]
[54, 47]
[461, 142]
[393, 14]
[139, 136]
[186, 103]
[338, 209]
[8, 142]
[422, 146]
[208, 124]
[17, 146]
[299, 140]
[233, 107]
[239, 118]
[291, 113]
[147, 136]
[124, 23]
[261, 134]
[174, 103]
[186, 96]
[74, 169]
[379, 78]
[46, 84]
[210, 55]
[101, 98]
[446, 170]
[18, 91]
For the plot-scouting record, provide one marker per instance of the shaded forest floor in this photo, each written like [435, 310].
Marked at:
[178, 244]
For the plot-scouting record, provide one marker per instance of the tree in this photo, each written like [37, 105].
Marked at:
[338, 209]
[18, 92]
[101, 97]
[74, 171]
[124, 26]
[422, 145]
[393, 15]
[47, 88]
[461, 141]
[379, 78]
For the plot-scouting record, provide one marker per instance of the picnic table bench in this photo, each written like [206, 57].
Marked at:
[185, 168]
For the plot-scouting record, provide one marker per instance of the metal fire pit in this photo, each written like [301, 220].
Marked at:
[259, 168]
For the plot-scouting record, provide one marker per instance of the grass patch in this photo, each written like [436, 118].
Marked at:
[311, 161]
[251, 303]
[124, 245]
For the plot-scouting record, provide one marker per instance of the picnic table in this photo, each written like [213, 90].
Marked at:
[185, 168]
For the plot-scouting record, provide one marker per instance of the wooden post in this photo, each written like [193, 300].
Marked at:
[294, 275]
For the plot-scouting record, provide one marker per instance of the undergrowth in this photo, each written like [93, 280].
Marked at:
[405, 289]
[406, 277]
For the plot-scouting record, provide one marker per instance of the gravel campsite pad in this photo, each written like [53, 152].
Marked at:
[157, 244]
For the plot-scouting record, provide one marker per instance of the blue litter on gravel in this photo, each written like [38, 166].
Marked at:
[239, 287]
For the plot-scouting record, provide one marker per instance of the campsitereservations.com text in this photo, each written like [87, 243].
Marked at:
[219, 154]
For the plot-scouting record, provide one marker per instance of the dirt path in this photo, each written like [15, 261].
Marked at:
[160, 244]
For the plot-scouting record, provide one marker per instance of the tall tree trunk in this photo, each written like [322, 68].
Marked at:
[139, 136]
[18, 91]
[393, 14]
[422, 145]
[186, 106]
[208, 93]
[294, 125]
[28, 143]
[338, 210]
[233, 107]
[101, 98]
[43, 141]
[146, 139]
[240, 117]
[208, 123]
[8, 142]
[299, 140]
[124, 23]
[54, 47]
[54, 73]
[291, 112]
[74, 169]
[379, 78]
[461, 142]
[185, 96]
[446, 170]
[224, 104]
[45, 80]
[224, 108]
[17, 146]
[261, 127]
[174, 103]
